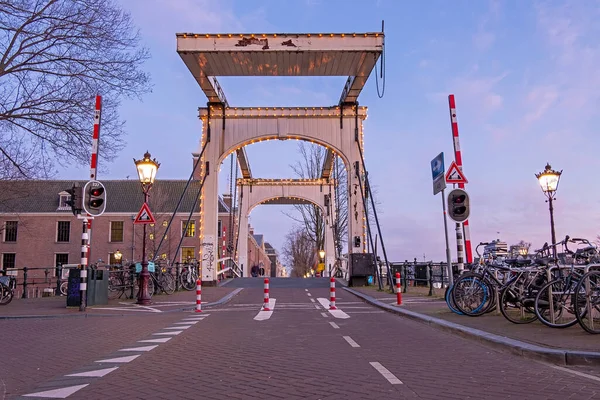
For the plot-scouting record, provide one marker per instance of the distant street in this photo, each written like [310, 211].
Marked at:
[300, 350]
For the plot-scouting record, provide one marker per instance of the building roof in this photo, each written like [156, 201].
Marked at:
[39, 196]
[259, 239]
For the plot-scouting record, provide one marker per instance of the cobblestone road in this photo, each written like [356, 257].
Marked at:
[300, 350]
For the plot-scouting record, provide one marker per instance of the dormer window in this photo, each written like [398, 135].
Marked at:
[63, 197]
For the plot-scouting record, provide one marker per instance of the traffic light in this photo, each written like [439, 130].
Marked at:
[76, 199]
[356, 241]
[94, 202]
[458, 205]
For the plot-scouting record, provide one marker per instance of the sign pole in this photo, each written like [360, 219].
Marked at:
[448, 258]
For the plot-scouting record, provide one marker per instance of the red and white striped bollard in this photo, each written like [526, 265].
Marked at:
[199, 295]
[266, 299]
[332, 294]
[398, 289]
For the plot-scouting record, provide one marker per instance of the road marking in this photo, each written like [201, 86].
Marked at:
[186, 323]
[386, 374]
[61, 393]
[143, 348]
[313, 300]
[335, 326]
[179, 327]
[325, 314]
[172, 333]
[306, 290]
[196, 319]
[159, 340]
[336, 313]
[582, 374]
[119, 359]
[309, 294]
[264, 315]
[99, 373]
[350, 341]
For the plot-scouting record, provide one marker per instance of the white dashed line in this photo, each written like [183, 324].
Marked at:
[313, 300]
[386, 374]
[179, 327]
[61, 393]
[309, 294]
[350, 341]
[172, 333]
[325, 314]
[159, 340]
[187, 323]
[99, 373]
[317, 307]
[143, 348]
[119, 359]
[335, 326]
[306, 290]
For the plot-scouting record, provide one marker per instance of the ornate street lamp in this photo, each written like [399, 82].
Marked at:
[146, 168]
[322, 254]
[118, 256]
[548, 179]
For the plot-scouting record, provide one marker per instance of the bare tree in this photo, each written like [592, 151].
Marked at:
[311, 216]
[299, 251]
[55, 57]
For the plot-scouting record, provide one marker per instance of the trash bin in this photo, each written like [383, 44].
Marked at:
[97, 287]
[73, 294]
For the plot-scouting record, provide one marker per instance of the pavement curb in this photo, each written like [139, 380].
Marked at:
[222, 300]
[555, 356]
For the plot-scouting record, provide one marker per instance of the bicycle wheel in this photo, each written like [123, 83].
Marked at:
[6, 295]
[472, 294]
[64, 286]
[187, 280]
[166, 282]
[512, 306]
[554, 306]
[115, 286]
[587, 302]
[450, 300]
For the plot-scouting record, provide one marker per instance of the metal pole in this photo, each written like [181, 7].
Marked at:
[83, 271]
[448, 257]
[460, 256]
[143, 295]
[551, 208]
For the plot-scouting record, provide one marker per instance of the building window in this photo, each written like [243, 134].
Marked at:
[62, 203]
[10, 231]
[112, 260]
[63, 231]
[116, 231]
[191, 228]
[8, 261]
[60, 259]
[188, 254]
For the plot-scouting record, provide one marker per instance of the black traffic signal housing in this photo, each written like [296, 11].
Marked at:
[458, 205]
[94, 201]
[76, 200]
[356, 241]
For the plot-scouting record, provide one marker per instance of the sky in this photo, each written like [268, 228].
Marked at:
[524, 74]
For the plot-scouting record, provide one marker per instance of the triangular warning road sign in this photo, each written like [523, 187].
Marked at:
[455, 175]
[144, 216]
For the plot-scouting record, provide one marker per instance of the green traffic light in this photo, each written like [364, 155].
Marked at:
[95, 203]
[459, 210]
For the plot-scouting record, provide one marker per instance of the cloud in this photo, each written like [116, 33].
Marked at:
[539, 100]
[484, 39]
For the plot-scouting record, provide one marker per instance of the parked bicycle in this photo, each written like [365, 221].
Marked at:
[8, 285]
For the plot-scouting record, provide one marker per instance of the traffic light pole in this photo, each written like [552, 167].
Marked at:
[83, 267]
[448, 257]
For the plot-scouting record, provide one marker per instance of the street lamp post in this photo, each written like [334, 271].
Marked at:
[548, 179]
[146, 168]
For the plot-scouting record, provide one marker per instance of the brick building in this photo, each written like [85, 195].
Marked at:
[38, 229]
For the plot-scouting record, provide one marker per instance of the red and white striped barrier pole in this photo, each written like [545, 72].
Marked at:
[398, 289]
[266, 300]
[199, 295]
[332, 294]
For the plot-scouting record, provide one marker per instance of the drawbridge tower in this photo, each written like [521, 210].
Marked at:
[226, 129]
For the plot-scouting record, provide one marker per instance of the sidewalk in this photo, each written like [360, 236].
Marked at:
[566, 346]
[49, 307]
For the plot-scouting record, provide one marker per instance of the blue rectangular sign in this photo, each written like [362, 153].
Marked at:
[437, 166]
